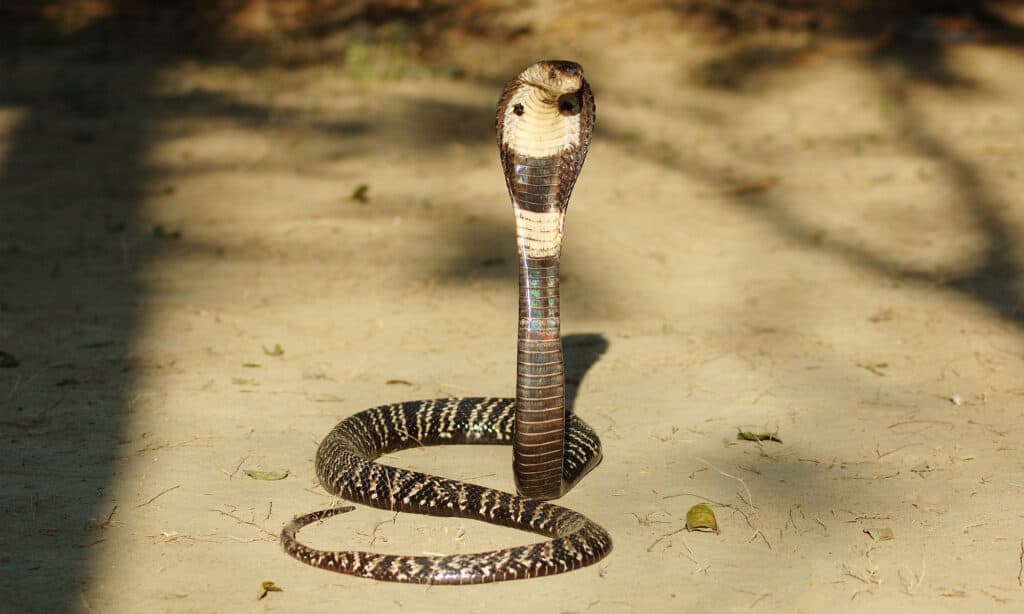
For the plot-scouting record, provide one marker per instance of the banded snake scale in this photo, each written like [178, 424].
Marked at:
[544, 121]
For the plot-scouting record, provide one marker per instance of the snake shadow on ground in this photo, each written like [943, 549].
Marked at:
[581, 352]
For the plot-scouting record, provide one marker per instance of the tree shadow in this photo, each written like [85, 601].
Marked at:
[900, 59]
[992, 278]
[73, 163]
[756, 37]
[78, 119]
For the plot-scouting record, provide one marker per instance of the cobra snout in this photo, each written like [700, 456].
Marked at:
[555, 76]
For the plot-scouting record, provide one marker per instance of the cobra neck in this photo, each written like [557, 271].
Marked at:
[540, 372]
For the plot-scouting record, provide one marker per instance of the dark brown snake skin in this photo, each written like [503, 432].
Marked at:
[544, 120]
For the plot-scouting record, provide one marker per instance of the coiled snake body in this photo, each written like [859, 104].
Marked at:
[544, 121]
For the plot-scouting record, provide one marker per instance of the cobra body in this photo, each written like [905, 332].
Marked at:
[544, 121]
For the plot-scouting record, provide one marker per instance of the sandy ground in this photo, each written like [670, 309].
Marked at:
[774, 235]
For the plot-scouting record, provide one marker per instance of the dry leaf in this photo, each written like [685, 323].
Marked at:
[883, 534]
[749, 436]
[701, 518]
[163, 233]
[875, 368]
[882, 316]
[268, 587]
[7, 360]
[361, 193]
[268, 476]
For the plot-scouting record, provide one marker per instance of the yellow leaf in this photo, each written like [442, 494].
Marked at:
[701, 518]
[268, 587]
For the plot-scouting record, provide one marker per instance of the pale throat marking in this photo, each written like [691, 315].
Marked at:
[540, 130]
[539, 233]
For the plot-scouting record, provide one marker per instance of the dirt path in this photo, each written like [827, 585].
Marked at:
[822, 243]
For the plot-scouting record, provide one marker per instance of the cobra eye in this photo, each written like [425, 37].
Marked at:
[518, 109]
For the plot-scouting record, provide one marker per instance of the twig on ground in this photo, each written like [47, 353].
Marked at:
[1020, 569]
[703, 567]
[887, 476]
[816, 519]
[994, 597]
[792, 521]
[157, 496]
[750, 498]
[760, 597]
[665, 536]
[880, 404]
[173, 536]
[233, 516]
[237, 467]
[373, 533]
[646, 521]
[759, 533]
[106, 521]
[906, 422]
[33, 421]
[693, 494]
[913, 580]
[868, 576]
[162, 445]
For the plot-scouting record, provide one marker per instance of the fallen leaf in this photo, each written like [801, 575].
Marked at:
[160, 232]
[267, 476]
[8, 361]
[875, 368]
[882, 316]
[268, 587]
[701, 517]
[244, 381]
[922, 467]
[277, 350]
[398, 382]
[361, 193]
[880, 535]
[325, 398]
[749, 436]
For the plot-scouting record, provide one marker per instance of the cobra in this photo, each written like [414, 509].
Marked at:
[544, 120]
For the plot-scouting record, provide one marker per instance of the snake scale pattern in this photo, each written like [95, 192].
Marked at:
[544, 122]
